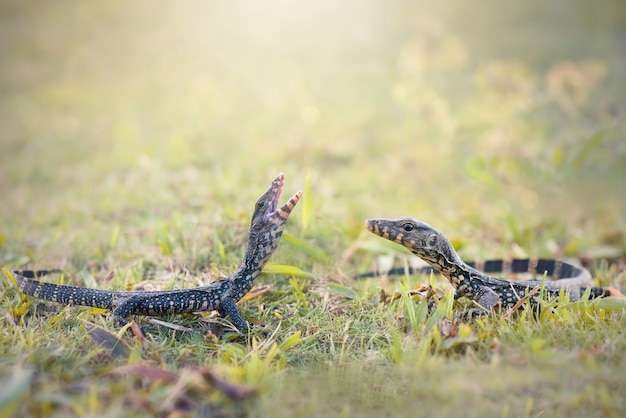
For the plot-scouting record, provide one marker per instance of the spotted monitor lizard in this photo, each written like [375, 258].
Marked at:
[487, 291]
[266, 228]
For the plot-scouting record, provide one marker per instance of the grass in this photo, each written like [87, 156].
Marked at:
[135, 140]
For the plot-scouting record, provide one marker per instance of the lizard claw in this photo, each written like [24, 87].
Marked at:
[432, 305]
[471, 313]
[254, 326]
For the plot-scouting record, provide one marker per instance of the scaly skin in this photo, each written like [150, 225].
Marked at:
[266, 228]
[433, 247]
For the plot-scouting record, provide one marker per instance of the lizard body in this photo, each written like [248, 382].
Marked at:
[266, 228]
[487, 291]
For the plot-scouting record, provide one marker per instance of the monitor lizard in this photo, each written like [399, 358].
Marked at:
[266, 227]
[487, 291]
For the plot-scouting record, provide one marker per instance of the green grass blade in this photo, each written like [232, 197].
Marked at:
[410, 308]
[291, 341]
[286, 270]
[307, 212]
[220, 248]
[115, 236]
[341, 290]
[16, 387]
[9, 276]
[590, 145]
[306, 248]
[610, 303]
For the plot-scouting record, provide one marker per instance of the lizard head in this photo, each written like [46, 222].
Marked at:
[268, 219]
[418, 237]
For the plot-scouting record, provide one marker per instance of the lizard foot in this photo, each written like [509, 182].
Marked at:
[432, 305]
[254, 327]
[470, 314]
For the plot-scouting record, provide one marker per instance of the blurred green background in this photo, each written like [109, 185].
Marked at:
[496, 121]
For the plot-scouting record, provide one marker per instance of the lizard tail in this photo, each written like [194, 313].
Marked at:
[36, 273]
[614, 292]
[64, 294]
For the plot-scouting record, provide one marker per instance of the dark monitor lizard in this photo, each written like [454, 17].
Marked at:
[266, 228]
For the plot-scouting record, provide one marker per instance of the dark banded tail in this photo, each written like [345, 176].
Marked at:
[31, 274]
[71, 295]
[554, 268]
[603, 292]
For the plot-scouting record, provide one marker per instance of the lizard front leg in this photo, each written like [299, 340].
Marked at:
[229, 308]
[486, 297]
[124, 309]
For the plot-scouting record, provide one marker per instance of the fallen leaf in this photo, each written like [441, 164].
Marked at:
[146, 371]
[117, 347]
[449, 328]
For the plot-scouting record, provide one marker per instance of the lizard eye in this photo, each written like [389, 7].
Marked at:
[432, 240]
[408, 227]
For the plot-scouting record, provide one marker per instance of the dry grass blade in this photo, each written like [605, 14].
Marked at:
[449, 328]
[169, 325]
[255, 293]
[521, 301]
[423, 291]
[138, 333]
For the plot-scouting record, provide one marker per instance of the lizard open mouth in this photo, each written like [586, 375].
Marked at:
[272, 206]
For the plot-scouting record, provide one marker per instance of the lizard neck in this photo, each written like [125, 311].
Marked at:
[257, 254]
[451, 268]
[448, 263]
[242, 281]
